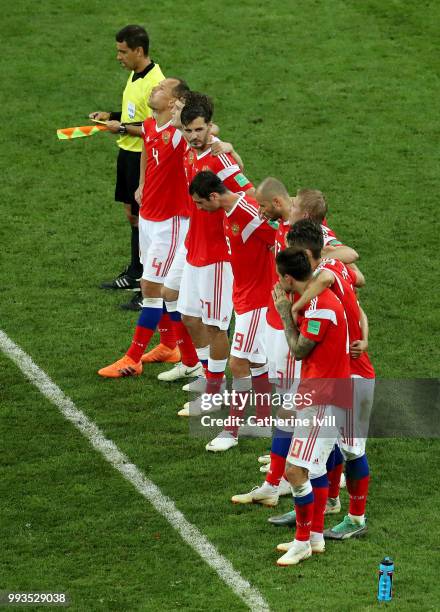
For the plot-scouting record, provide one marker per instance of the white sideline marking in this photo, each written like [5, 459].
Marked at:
[108, 449]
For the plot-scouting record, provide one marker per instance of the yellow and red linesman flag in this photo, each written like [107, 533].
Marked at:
[79, 132]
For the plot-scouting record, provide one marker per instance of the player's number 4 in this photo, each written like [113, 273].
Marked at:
[157, 265]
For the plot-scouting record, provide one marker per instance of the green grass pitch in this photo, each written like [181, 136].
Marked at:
[339, 95]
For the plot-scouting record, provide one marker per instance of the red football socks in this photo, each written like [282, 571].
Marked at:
[276, 470]
[141, 338]
[358, 491]
[304, 518]
[320, 495]
[185, 344]
[166, 331]
[334, 480]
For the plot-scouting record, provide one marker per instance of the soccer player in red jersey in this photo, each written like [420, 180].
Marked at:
[321, 343]
[250, 239]
[341, 279]
[276, 205]
[205, 296]
[162, 224]
[193, 357]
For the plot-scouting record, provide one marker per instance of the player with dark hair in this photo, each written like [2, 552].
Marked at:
[132, 44]
[341, 279]
[321, 343]
[193, 357]
[284, 369]
[205, 296]
[250, 239]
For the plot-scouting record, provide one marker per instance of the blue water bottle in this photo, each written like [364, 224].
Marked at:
[385, 589]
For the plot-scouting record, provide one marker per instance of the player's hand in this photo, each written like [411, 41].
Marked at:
[281, 301]
[100, 116]
[138, 194]
[113, 126]
[357, 347]
[219, 147]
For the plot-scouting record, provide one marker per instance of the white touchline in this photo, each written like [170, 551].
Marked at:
[108, 449]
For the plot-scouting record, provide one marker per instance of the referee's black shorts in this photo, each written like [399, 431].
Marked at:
[127, 178]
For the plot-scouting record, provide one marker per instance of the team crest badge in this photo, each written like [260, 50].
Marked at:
[235, 229]
[166, 137]
[191, 157]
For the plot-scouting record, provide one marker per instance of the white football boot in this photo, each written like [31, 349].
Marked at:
[223, 442]
[333, 505]
[299, 551]
[200, 405]
[264, 459]
[267, 495]
[317, 547]
[179, 371]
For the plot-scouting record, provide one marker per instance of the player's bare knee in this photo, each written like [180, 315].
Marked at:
[149, 289]
[190, 322]
[239, 367]
[213, 330]
[169, 295]
[296, 475]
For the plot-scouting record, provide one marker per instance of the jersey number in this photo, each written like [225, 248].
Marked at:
[228, 242]
[157, 265]
[238, 339]
[208, 308]
[155, 153]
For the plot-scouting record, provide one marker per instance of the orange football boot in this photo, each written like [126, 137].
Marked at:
[123, 367]
[162, 354]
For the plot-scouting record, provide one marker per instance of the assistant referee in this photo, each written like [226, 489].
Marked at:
[132, 43]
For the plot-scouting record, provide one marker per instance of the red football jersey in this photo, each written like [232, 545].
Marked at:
[323, 320]
[165, 192]
[205, 239]
[272, 317]
[251, 239]
[328, 235]
[343, 288]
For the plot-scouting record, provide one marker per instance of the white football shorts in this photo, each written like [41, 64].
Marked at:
[158, 245]
[174, 276]
[248, 341]
[206, 292]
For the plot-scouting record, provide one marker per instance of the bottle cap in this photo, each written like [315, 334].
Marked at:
[387, 561]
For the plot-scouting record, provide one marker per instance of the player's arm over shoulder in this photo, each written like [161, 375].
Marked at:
[323, 280]
[218, 147]
[336, 250]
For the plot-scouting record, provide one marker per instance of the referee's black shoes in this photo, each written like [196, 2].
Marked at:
[134, 304]
[123, 281]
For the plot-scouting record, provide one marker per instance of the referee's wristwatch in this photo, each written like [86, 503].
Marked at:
[122, 129]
